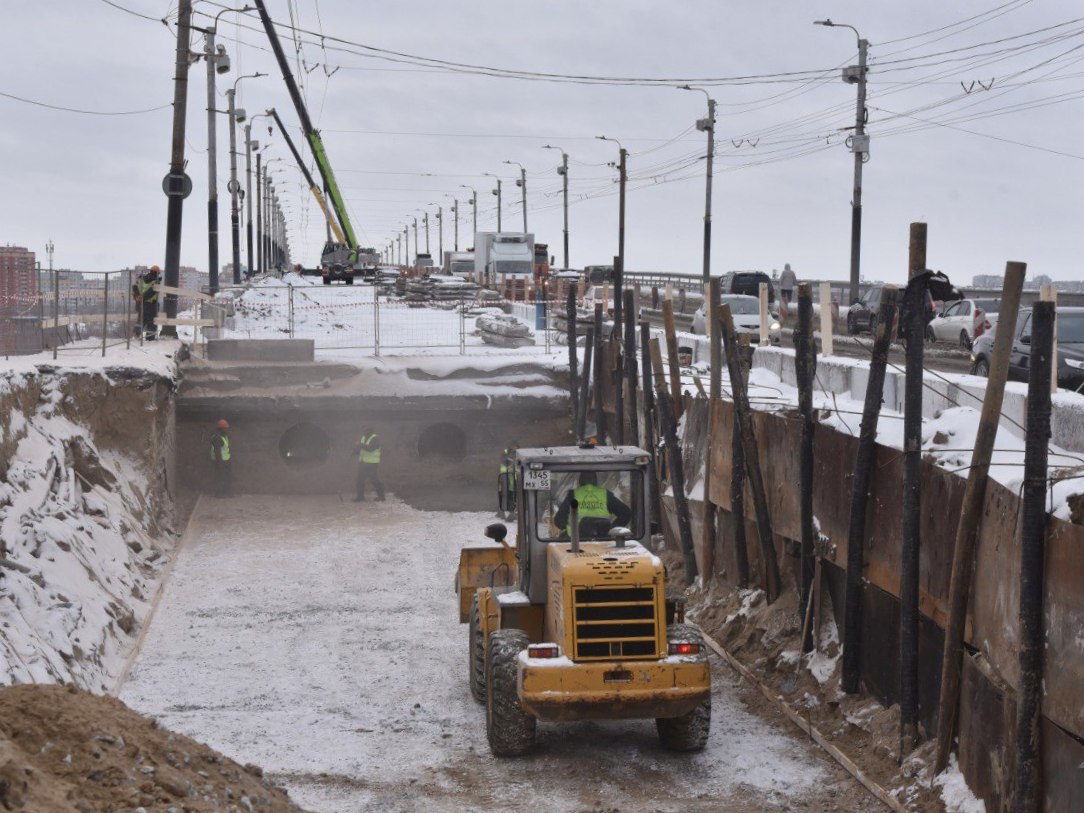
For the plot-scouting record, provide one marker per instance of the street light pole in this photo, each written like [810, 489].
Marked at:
[707, 125]
[235, 188]
[250, 145]
[859, 145]
[216, 59]
[474, 211]
[563, 172]
[497, 192]
[415, 239]
[455, 218]
[440, 231]
[259, 210]
[522, 183]
[623, 177]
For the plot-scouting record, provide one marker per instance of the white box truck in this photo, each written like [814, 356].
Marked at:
[510, 254]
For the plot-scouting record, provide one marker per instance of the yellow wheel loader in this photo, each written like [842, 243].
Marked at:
[572, 621]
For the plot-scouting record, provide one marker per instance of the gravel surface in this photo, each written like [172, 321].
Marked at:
[320, 640]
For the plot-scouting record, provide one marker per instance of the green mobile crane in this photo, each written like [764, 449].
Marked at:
[341, 258]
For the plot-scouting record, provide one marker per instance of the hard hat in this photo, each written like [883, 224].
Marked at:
[155, 269]
[223, 424]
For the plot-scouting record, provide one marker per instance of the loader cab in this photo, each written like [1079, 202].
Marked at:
[609, 482]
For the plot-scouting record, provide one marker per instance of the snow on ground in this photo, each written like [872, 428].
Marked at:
[955, 793]
[344, 321]
[320, 639]
[155, 358]
[77, 533]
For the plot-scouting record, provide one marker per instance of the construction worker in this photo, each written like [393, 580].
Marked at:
[368, 450]
[220, 459]
[146, 298]
[598, 509]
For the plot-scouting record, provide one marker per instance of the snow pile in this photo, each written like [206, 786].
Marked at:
[78, 558]
[955, 793]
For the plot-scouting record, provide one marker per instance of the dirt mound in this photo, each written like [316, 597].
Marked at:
[64, 750]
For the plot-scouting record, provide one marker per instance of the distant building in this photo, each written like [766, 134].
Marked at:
[18, 299]
[18, 275]
[988, 281]
[190, 278]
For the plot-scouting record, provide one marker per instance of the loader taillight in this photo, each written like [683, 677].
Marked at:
[684, 648]
[543, 651]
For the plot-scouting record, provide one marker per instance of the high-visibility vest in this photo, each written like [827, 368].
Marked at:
[592, 502]
[367, 455]
[146, 290]
[225, 448]
[504, 461]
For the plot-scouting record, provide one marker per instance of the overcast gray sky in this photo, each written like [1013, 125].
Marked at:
[995, 173]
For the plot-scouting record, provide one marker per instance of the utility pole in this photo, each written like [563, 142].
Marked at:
[236, 116]
[622, 178]
[404, 253]
[474, 211]
[563, 172]
[497, 192]
[259, 212]
[415, 240]
[858, 144]
[217, 61]
[707, 125]
[177, 185]
[440, 232]
[522, 183]
[425, 218]
[455, 218]
[250, 145]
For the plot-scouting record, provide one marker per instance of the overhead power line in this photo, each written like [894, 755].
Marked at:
[84, 112]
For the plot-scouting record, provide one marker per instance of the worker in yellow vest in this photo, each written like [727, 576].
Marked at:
[146, 297]
[220, 459]
[598, 509]
[368, 450]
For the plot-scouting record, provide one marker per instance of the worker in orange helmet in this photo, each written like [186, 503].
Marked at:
[220, 459]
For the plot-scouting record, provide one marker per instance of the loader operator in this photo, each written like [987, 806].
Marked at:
[596, 506]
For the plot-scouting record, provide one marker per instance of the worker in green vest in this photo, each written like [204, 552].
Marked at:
[220, 459]
[598, 509]
[146, 298]
[368, 450]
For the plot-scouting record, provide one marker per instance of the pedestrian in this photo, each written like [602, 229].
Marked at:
[787, 280]
[146, 297]
[368, 450]
[220, 459]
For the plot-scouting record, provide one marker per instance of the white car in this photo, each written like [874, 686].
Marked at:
[964, 321]
[746, 313]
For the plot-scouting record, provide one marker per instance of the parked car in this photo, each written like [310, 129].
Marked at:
[747, 283]
[1070, 334]
[746, 313]
[964, 320]
[862, 315]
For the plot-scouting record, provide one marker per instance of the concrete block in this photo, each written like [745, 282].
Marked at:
[261, 349]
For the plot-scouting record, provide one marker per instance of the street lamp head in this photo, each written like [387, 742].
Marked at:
[222, 59]
[239, 115]
[825, 22]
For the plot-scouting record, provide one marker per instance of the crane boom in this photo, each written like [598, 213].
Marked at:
[311, 135]
[313, 187]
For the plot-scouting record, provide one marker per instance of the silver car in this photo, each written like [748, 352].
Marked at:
[746, 313]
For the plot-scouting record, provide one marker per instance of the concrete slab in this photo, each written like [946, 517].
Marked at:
[261, 349]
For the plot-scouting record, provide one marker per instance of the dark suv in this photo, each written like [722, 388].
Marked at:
[747, 283]
[862, 315]
[1070, 332]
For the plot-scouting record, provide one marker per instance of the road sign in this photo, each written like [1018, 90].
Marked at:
[177, 185]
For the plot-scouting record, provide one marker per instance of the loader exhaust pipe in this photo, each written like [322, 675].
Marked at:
[574, 519]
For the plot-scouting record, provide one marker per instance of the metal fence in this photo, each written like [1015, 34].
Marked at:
[360, 320]
[91, 309]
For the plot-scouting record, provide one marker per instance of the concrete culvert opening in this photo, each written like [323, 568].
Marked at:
[304, 446]
[444, 441]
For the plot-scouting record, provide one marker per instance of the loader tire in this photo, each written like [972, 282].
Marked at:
[509, 728]
[477, 651]
[689, 732]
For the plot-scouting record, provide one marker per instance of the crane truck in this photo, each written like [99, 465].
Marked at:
[341, 257]
[572, 621]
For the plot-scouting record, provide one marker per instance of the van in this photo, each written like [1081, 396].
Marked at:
[747, 283]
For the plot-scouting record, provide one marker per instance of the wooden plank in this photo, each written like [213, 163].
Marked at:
[163, 320]
[182, 292]
[86, 318]
[807, 727]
